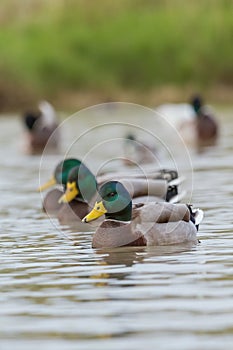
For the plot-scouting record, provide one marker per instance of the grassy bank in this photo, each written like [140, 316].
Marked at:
[50, 48]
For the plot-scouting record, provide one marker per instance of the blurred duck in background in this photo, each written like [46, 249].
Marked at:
[205, 124]
[40, 128]
[138, 152]
[194, 122]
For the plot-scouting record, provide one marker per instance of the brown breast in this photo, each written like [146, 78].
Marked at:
[112, 233]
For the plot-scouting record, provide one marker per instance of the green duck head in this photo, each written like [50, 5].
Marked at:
[114, 201]
[81, 184]
[61, 173]
[197, 104]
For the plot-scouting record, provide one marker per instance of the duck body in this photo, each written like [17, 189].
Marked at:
[206, 128]
[72, 212]
[67, 213]
[50, 205]
[153, 224]
[145, 224]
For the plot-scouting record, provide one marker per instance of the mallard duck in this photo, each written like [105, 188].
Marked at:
[141, 224]
[194, 121]
[40, 126]
[206, 125]
[81, 193]
[138, 152]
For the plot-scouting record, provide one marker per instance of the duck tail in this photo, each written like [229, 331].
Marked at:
[174, 193]
[196, 215]
[48, 113]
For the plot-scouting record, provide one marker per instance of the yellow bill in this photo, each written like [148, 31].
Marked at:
[70, 194]
[48, 184]
[96, 212]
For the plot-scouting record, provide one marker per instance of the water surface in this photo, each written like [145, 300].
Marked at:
[59, 293]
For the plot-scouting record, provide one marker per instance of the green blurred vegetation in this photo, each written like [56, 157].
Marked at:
[49, 47]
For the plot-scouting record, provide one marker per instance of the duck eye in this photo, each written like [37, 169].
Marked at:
[112, 194]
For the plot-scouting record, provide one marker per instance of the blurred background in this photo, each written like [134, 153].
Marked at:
[76, 53]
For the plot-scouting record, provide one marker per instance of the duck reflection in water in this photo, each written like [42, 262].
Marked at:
[113, 260]
[128, 256]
